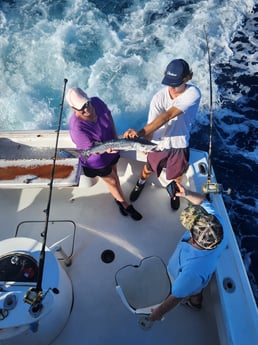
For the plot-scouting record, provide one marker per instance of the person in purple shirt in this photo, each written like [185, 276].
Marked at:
[92, 122]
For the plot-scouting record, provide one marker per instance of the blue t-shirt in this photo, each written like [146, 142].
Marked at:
[85, 134]
[192, 268]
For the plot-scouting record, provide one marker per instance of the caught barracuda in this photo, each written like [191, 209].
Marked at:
[136, 144]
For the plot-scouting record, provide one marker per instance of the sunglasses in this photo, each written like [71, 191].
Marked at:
[85, 106]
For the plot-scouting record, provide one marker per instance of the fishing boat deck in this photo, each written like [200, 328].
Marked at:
[86, 222]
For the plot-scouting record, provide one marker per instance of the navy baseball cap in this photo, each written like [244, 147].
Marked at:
[175, 72]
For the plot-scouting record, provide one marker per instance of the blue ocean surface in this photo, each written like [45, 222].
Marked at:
[118, 50]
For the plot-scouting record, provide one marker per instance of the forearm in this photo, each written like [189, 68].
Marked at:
[151, 127]
[114, 127]
[159, 121]
[194, 197]
[163, 308]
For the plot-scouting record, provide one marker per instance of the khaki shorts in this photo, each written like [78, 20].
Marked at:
[174, 160]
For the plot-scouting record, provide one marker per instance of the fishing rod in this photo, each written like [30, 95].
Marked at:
[210, 187]
[34, 296]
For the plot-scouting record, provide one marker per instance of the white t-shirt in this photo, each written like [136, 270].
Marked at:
[176, 132]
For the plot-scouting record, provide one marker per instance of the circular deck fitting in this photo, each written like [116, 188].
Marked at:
[229, 285]
[10, 301]
[144, 322]
[107, 256]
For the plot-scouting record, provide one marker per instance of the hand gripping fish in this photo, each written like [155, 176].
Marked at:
[135, 144]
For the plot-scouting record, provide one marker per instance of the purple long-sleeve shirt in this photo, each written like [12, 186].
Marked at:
[85, 133]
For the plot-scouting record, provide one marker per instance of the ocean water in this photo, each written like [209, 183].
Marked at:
[118, 50]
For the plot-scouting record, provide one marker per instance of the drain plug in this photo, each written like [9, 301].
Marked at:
[107, 256]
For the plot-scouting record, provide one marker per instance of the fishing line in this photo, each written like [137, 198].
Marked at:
[34, 296]
[211, 110]
[210, 187]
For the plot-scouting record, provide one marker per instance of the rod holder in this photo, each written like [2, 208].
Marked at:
[67, 259]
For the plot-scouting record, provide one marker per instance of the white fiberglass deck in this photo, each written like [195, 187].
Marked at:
[98, 315]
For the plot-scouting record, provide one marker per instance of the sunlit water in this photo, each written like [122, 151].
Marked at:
[118, 50]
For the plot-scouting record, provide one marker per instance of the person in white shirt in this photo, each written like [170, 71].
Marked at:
[171, 115]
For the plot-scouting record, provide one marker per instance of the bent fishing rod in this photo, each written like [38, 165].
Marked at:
[34, 296]
[210, 187]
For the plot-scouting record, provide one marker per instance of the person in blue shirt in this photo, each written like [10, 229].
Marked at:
[194, 261]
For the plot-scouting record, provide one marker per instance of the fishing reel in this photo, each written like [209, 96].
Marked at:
[211, 187]
[215, 188]
[34, 298]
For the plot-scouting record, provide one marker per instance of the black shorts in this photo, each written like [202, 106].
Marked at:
[100, 172]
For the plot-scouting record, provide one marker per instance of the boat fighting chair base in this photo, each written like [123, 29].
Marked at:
[143, 287]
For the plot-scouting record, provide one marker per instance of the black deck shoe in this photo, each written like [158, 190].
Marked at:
[136, 191]
[121, 208]
[133, 213]
[174, 200]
